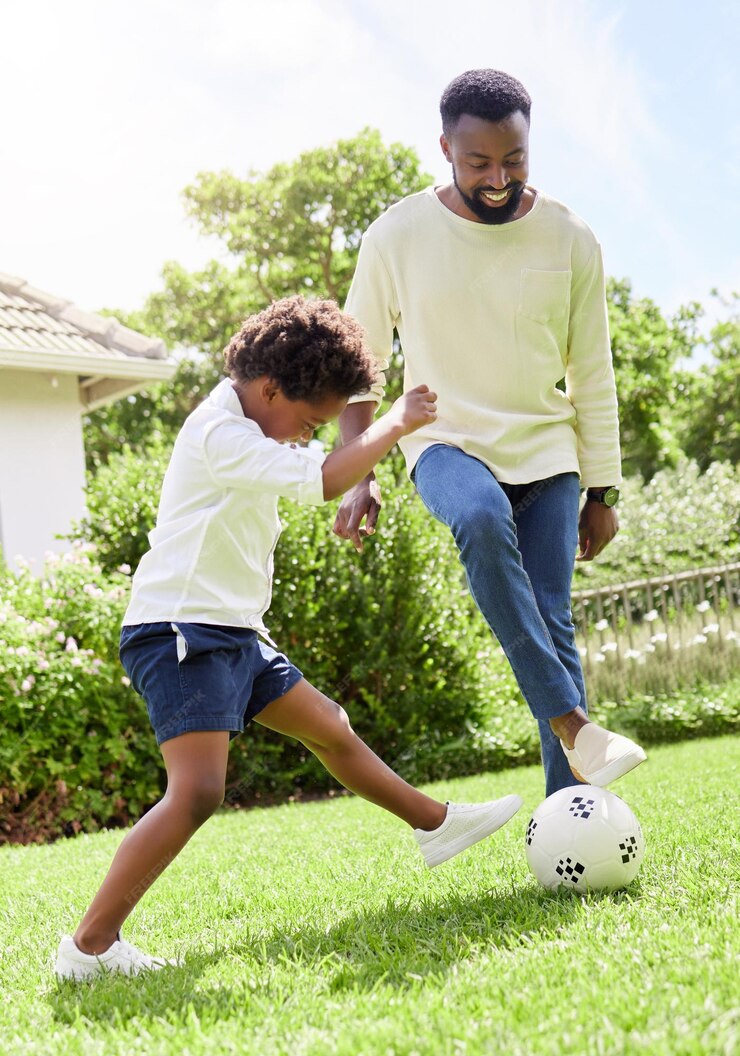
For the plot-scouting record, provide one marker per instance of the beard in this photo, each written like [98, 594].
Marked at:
[491, 214]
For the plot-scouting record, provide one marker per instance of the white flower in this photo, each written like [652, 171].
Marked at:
[703, 606]
[648, 648]
[27, 684]
[22, 650]
[599, 658]
[609, 647]
[61, 637]
[731, 636]
[633, 654]
[70, 646]
[125, 681]
[711, 628]
[601, 625]
[43, 664]
[659, 638]
[698, 639]
[126, 569]
[76, 661]
[652, 615]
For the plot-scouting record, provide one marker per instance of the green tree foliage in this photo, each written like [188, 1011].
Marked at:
[708, 407]
[646, 347]
[294, 229]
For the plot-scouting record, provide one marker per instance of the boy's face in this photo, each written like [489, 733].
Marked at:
[292, 420]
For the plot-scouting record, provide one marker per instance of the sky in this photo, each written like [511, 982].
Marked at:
[110, 109]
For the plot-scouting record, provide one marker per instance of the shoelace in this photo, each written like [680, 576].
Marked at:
[136, 956]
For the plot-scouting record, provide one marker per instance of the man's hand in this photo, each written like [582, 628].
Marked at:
[363, 502]
[597, 527]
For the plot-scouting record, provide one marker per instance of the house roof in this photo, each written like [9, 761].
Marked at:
[41, 332]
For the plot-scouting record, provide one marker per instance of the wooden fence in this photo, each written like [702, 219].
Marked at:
[686, 606]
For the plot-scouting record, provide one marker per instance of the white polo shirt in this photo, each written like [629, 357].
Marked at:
[211, 556]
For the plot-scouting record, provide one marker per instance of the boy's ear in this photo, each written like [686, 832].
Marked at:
[269, 390]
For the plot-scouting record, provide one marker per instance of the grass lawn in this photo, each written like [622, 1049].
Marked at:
[316, 929]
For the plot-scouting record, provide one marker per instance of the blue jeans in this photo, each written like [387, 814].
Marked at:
[517, 544]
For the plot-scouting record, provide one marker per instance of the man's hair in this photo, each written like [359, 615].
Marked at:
[310, 349]
[490, 94]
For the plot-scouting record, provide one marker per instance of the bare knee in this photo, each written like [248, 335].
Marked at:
[335, 731]
[199, 798]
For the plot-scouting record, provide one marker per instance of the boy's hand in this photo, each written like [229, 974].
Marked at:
[415, 408]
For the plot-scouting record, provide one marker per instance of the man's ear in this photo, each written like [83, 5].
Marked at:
[444, 144]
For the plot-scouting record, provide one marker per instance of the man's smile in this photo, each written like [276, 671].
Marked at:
[495, 196]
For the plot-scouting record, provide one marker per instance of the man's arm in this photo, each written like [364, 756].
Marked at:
[591, 389]
[363, 502]
[373, 303]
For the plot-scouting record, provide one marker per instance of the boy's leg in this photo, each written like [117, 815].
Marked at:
[441, 830]
[196, 773]
[322, 725]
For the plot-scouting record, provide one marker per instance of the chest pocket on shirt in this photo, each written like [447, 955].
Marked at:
[544, 296]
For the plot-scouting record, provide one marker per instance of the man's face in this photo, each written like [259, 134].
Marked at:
[489, 165]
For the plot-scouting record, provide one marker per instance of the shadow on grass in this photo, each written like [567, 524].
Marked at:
[397, 945]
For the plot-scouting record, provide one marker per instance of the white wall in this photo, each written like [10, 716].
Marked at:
[42, 462]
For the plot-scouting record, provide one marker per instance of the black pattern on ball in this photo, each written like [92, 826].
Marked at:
[570, 870]
[530, 830]
[580, 807]
[628, 849]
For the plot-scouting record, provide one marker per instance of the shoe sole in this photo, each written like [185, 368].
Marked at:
[617, 769]
[506, 812]
[81, 973]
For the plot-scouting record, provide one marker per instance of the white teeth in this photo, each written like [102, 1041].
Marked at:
[495, 197]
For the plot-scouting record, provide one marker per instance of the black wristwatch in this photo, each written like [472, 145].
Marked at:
[606, 496]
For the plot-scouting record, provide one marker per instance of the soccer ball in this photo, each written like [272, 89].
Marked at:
[584, 838]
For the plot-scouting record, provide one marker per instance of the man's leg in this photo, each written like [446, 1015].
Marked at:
[462, 493]
[546, 517]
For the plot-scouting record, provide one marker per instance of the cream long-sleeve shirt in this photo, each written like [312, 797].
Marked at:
[491, 317]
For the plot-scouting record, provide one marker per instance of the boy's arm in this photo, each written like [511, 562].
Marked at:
[352, 462]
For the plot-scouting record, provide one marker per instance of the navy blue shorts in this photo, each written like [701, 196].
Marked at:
[198, 676]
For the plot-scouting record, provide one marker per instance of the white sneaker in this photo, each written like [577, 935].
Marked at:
[72, 963]
[465, 824]
[599, 756]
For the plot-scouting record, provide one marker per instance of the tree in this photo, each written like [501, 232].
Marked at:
[646, 347]
[294, 229]
[708, 406]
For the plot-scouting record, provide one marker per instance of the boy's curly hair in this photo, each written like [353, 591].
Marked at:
[311, 349]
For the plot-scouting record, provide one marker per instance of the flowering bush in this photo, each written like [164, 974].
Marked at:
[76, 751]
[681, 519]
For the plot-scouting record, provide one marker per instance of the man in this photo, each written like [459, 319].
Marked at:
[497, 293]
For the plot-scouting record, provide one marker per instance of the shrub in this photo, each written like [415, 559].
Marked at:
[73, 755]
[122, 497]
[681, 519]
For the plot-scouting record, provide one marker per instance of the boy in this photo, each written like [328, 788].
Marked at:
[191, 636]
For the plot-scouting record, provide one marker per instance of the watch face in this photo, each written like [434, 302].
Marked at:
[610, 496]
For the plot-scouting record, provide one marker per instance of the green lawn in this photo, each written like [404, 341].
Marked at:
[316, 929]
